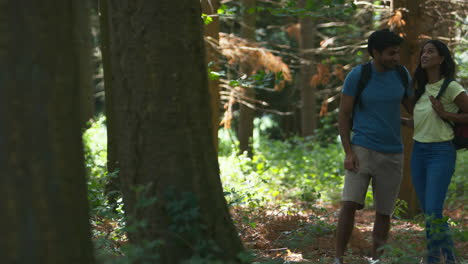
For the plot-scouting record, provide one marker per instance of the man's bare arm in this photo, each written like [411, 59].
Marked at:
[408, 104]
[344, 126]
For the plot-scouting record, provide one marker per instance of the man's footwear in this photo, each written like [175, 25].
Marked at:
[452, 261]
[449, 260]
[337, 261]
[373, 261]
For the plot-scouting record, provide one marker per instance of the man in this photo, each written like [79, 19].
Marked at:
[375, 151]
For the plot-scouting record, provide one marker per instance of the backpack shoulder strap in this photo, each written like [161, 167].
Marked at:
[366, 71]
[444, 86]
[403, 75]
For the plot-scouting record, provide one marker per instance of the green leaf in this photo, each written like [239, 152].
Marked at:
[214, 76]
[207, 19]
[310, 5]
[225, 10]
[234, 83]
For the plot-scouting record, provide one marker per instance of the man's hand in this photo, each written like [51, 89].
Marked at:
[408, 122]
[351, 162]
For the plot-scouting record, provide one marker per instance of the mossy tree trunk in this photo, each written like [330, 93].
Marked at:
[163, 127]
[42, 177]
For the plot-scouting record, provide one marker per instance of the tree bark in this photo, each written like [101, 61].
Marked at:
[247, 114]
[210, 7]
[83, 36]
[112, 145]
[409, 57]
[42, 176]
[308, 99]
[164, 129]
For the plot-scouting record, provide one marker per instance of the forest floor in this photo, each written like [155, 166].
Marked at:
[295, 235]
[308, 236]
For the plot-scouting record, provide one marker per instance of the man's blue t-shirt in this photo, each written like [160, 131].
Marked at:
[376, 119]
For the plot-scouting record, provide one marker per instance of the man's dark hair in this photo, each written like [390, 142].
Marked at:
[382, 39]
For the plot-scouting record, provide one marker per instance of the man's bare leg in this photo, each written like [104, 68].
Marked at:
[345, 227]
[380, 234]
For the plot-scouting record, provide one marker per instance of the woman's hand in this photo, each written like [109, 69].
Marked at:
[438, 107]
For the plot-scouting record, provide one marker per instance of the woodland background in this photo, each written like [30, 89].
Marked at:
[197, 131]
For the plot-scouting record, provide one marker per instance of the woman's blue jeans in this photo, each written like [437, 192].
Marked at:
[432, 167]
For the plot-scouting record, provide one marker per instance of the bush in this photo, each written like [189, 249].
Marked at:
[95, 150]
[456, 195]
[293, 170]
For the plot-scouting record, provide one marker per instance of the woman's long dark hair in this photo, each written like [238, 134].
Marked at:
[447, 68]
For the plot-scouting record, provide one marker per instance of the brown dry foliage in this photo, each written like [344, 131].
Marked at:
[396, 21]
[227, 118]
[322, 77]
[252, 56]
[272, 231]
[324, 108]
[269, 228]
[294, 31]
[338, 72]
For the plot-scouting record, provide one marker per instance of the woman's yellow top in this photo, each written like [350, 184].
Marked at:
[428, 126]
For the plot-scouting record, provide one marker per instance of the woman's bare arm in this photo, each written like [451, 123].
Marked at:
[461, 101]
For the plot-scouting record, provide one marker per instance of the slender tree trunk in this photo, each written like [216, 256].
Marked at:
[82, 32]
[42, 176]
[247, 114]
[112, 145]
[409, 57]
[291, 124]
[210, 7]
[308, 99]
[164, 130]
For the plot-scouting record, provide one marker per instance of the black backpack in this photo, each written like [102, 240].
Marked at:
[366, 73]
[460, 131]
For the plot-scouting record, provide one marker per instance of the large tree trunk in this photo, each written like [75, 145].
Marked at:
[308, 100]
[247, 114]
[409, 57]
[418, 23]
[210, 7]
[42, 181]
[163, 126]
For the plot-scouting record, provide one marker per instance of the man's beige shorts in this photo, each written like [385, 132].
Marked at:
[386, 172]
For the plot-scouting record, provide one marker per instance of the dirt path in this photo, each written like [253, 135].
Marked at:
[308, 237]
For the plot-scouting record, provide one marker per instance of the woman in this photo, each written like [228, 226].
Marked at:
[433, 158]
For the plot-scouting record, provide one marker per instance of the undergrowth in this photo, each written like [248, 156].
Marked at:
[280, 197]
